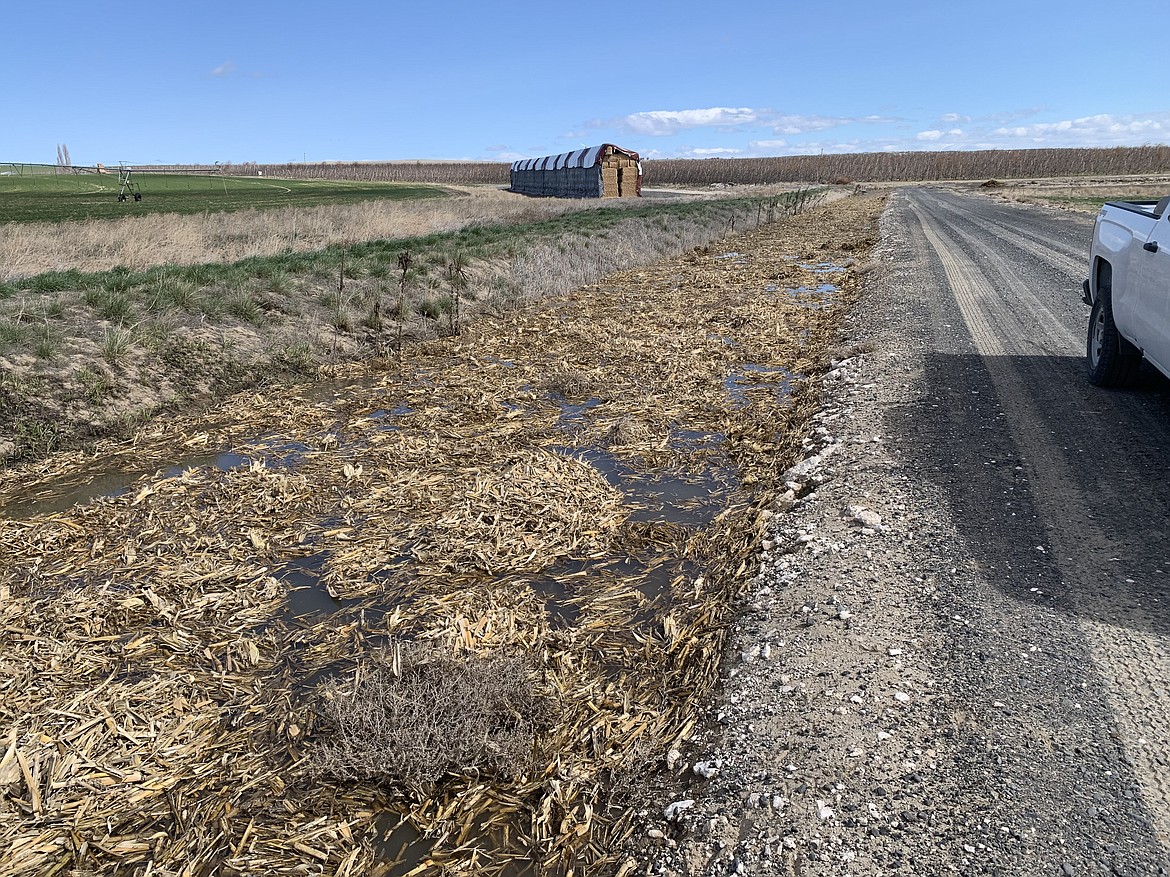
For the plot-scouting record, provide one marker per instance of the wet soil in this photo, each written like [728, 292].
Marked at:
[583, 481]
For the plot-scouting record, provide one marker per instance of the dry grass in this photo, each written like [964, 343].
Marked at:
[429, 714]
[142, 242]
[215, 334]
[574, 260]
[159, 703]
[1084, 195]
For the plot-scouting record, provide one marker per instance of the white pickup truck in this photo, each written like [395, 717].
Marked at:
[1129, 289]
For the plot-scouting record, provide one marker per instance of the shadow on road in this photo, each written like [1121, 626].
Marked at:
[1058, 488]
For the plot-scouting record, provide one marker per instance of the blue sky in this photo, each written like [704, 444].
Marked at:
[264, 81]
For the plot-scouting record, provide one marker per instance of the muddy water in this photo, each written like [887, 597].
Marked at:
[687, 495]
[75, 488]
[687, 498]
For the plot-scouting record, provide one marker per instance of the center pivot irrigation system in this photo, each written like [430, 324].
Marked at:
[128, 188]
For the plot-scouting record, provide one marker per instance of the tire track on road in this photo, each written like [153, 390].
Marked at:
[1008, 270]
[1124, 638]
[1060, 255]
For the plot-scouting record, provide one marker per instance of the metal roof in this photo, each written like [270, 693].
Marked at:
[586, 157]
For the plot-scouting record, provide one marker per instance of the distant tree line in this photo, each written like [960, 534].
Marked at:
[836, 168]
[451, 172]
[907, 166]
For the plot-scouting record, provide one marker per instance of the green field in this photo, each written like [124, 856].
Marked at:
[60, 197]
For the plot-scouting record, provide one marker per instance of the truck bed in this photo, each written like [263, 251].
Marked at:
[1149, 208]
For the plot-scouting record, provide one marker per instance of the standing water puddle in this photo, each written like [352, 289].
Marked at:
[308, 598]
[671, 497]
[73, 489]
[60, 494]
[749, 379]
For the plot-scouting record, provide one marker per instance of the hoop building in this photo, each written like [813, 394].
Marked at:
[604, 171]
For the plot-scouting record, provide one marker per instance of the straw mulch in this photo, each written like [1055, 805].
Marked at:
[160, 700]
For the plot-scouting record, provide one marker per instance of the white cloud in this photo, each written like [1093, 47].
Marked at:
[744, 131]
[658, 123]
[1099, 130]
[933, 136]
[662, 123]
[501, 152]
[797, 124]
[804, 124]
[227, 68]
[696, 152]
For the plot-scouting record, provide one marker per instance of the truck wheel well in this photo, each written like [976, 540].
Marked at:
[1103, 275]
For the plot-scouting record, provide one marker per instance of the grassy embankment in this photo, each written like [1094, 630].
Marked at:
[93, 353]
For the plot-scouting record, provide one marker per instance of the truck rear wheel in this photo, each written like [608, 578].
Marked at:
[1112, 361]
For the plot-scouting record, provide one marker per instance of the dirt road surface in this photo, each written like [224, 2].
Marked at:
[957, 657]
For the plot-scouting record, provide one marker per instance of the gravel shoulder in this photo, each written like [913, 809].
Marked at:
[922, 681]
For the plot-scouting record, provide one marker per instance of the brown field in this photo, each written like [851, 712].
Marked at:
[860, 167]
[161, 239]
[912, 166]
[1084, 195]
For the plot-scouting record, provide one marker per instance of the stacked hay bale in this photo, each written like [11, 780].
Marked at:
[604, 171]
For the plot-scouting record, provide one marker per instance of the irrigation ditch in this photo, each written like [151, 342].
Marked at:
[86, 354]
[441, 613]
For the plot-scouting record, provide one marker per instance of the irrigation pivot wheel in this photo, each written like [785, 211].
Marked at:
[128, 185]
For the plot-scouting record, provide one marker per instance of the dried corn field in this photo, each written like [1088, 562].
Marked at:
[573, 491]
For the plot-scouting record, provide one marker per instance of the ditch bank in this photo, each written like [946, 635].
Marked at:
[515, 552]
[85, 355]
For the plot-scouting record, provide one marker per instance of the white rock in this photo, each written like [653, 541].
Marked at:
[901, 697]
[866, 517]
[705, 769]
[824, 811]
[671, 811]
[893, 653]
[655, 833]
[672, 758]
[884, 735]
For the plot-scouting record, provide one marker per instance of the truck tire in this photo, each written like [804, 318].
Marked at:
[1112, 361]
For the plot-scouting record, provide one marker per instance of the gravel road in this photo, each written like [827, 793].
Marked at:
[957, 654]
